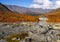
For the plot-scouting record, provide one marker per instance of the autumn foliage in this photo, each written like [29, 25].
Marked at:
[16, 17]
[8, 16]
[53, 16]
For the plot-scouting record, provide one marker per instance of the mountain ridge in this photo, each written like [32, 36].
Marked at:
[20, 9]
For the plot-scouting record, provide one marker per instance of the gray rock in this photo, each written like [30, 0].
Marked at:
[2, 40]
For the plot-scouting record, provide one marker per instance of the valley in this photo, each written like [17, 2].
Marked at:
[29, 25]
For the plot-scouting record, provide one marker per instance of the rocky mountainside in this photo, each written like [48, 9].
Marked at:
[28, 31]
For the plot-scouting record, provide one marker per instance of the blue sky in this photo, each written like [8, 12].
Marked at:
[23, 3]
[45, 4]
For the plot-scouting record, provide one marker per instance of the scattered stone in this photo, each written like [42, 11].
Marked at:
[58, 40]
[13, 39]
[2, 40]
[36, 31]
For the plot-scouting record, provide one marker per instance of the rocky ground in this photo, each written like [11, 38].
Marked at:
[36, 32]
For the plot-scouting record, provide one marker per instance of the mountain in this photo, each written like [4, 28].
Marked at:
[31, 11]
[10, 14]
[3, 8]
[6, 15]
[53, 16]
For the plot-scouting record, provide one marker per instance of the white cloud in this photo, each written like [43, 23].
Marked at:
[58, 2]
[35, 6]
[45, 4]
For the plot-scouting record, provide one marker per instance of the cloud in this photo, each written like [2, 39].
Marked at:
[45, 4]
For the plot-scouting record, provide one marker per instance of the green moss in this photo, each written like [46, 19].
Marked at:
[9, 40]
[21, 36]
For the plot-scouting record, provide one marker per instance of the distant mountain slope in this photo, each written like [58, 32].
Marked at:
[16, 8]
[28, 10]
[54, 16]
[8, 16]
[3, 8]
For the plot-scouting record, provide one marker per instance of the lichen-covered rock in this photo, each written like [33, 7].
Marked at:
[39, 33]
[2, 40]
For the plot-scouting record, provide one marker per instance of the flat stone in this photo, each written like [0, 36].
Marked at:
[58, 40]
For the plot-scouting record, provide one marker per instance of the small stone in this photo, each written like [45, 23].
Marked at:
[58, 40]
[13, 38]
[2, 40]
[49, 39]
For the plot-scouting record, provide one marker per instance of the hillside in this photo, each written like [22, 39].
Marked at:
[7, 15]
[54, 16]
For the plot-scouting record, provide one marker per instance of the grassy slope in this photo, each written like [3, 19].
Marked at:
[16, 17]
[54, 16]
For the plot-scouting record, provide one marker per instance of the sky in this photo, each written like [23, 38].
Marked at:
[23, 3]
[44, 4]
